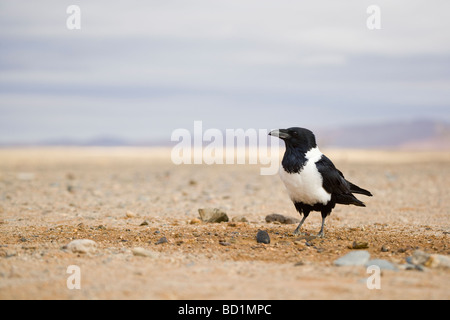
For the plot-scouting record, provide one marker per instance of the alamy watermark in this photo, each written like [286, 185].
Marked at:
[234, 146]
[74, 280]
[73, 22]
[373, 21]
[374, 280]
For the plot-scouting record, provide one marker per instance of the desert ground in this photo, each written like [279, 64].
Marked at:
[128, 198]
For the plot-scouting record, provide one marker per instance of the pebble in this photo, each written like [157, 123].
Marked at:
[82, 246]
[144, 223]
[382, 264]
[130, 214]
[240, 218]
[355, 258]
[359, 245]
[141, 252]
[421, 258]
[262, 237]
[195, 221]
[212, 215]
[162, 240]
[275, 217]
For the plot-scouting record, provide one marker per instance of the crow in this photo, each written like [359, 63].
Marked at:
[311, 179]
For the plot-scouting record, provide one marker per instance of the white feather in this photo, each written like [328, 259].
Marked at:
[306, 185]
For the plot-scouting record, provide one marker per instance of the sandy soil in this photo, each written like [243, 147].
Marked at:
[49, 197]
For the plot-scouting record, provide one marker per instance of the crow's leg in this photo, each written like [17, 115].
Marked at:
[297, 230]
[321, 233]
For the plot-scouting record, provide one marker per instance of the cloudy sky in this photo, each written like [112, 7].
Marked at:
[138, 70]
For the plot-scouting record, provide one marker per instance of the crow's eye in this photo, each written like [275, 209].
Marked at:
[294, 133]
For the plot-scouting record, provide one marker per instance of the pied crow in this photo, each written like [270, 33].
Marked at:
[311, 179]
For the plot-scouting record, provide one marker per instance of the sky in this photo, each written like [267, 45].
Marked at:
[138, 70]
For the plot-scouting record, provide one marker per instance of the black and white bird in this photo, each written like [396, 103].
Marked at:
[311, 179]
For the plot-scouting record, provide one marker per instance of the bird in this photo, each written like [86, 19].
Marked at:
[312, 180]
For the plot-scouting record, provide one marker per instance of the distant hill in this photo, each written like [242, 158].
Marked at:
[418, 134]
[412, 135]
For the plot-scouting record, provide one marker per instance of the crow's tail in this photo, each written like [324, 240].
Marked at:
[355, 189]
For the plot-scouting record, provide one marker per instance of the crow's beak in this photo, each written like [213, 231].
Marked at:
[281, 133]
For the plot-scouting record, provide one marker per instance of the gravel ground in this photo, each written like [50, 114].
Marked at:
[142, 213]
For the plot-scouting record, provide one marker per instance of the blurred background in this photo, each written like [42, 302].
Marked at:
[137, 70]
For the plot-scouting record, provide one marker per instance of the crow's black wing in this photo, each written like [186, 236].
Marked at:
[335, 183]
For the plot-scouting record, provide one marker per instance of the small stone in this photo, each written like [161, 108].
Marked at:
[213, 215]
[382, 264]
[130, 214]
[240, 218]
[300, 244]
[419, 257]
[275, 217]
[438, 261]
[355, 258]
[82, 246]
[195, 221]
[359, 245]
[262, 237]
[162, 240]
[141, 252]
[384, 248]
[144, 223]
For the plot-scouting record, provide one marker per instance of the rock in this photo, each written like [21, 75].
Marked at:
[382, 264]
[240, 218]
[359, 245]
[212, 215]
[421, 258]
[355, 258]
[130, 214]
[385, 248]
[262, 237]
[438, 261]
[275, 217]
[141, 252]
[195, 221]
[144, 223]
[162, 240]
[82, 246]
